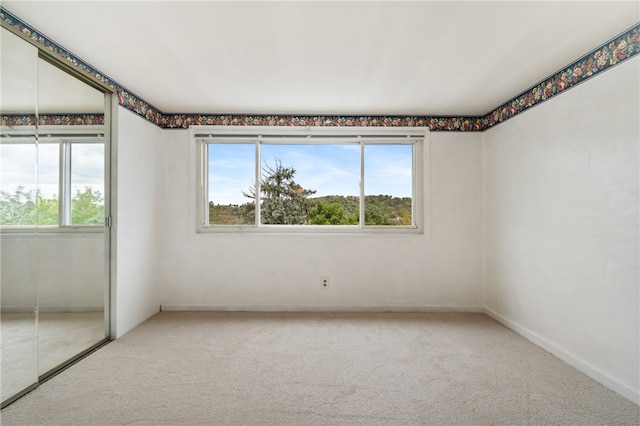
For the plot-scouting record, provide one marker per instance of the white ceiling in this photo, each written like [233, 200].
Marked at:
[361, 58]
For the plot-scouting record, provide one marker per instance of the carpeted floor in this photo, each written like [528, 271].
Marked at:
[321, 369]
[59, 337]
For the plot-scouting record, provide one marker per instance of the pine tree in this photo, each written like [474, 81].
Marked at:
[283, 201]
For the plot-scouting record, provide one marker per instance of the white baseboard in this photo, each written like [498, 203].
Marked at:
[571, 359]
[312, 308]
[51, 309]
[70, 309]
[18, 309]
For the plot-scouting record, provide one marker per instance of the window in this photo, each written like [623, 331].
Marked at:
[58, 184]
[309, 179]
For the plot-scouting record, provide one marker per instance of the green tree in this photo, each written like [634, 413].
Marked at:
[374, 218]
[326, 214]
[283, 201]
[332, 214]
[24, 207]
[87, 207]
[19, 208]
[384, 210]
[48, 211]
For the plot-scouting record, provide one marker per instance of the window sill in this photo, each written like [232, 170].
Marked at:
[32, 230]
[311, 230]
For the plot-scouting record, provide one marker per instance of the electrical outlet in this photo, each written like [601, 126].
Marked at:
[324, 282]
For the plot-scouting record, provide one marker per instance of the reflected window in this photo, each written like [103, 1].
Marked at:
[86, 183]
[66, 188]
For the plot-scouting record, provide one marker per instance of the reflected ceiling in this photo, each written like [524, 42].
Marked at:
[35, 81]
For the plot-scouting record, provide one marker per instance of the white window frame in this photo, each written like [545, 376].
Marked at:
[65, 139]
[201, 136]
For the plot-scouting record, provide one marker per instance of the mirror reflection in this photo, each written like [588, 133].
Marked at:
[71, 198]
[18, 252]
[52, 208]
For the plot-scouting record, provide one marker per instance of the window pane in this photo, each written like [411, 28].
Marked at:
[310, 184]
[87, 183]
[231, 182]
[48, 183]
[18, 178]
[388, 185]
[19, 193]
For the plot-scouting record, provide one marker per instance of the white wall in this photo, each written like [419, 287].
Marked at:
[282, 272]
[18, 272]
[71, 272]
[137, 226]
[57, 271]
[562, 232]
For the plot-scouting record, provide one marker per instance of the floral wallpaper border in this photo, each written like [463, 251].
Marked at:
[173, 121]
[126, 98]
[620, 48]
[52, 119]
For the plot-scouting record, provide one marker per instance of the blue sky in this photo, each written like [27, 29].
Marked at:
[327, 169]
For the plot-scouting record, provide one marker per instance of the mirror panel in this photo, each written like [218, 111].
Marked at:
[72, 265]
[61, 93]
[18, 188]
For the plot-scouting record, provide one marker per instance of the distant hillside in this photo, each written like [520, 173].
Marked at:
[380, 210]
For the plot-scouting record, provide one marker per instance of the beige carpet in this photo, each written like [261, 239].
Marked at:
[26, 353]
[63, 335]
[18, 352]
[321, 369]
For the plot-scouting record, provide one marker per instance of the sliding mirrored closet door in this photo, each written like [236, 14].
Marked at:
[18, 247]
[54, 243]
[71, 239]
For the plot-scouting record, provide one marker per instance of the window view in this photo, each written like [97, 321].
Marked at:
[315, 182]
[310, 184]
[38, 202]
[48, 183]
[87, 183]
[388, 186]
[232, 171]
